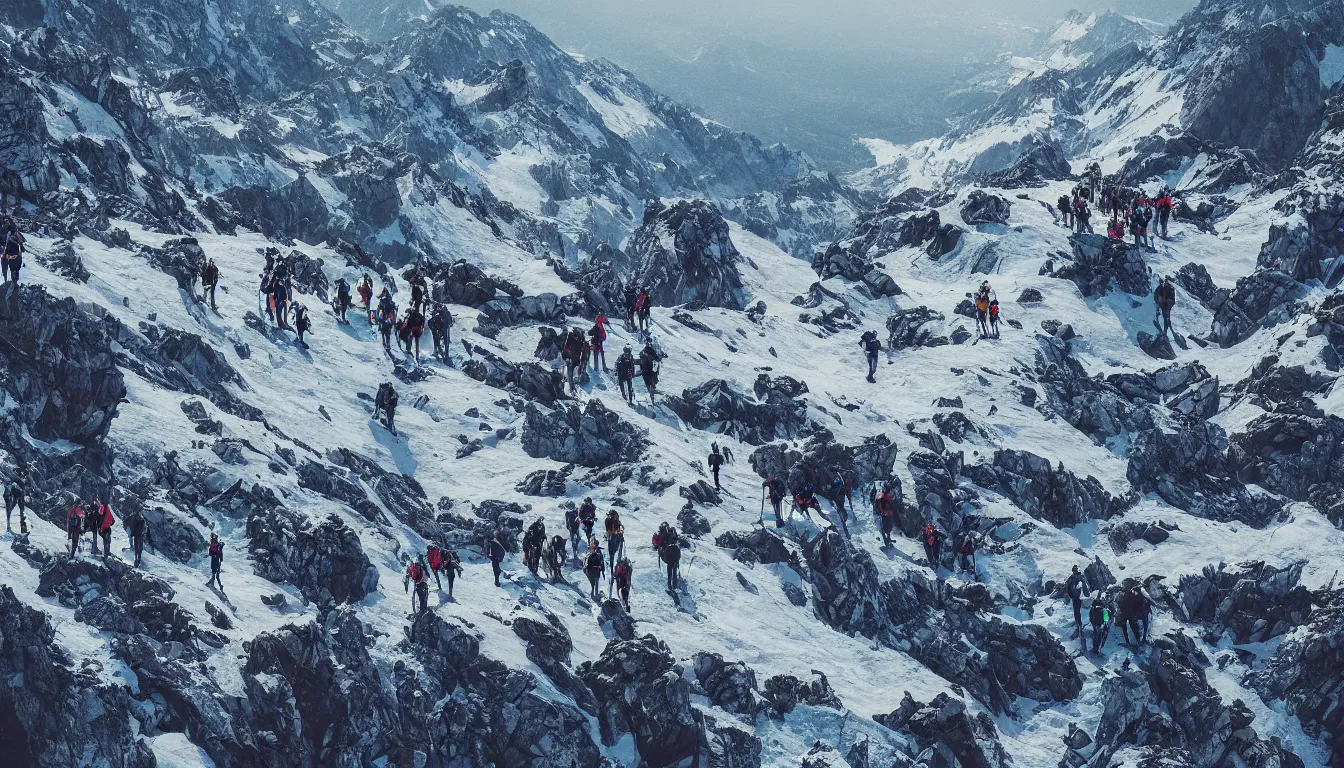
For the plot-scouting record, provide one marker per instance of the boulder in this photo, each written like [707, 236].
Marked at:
[981, 207]
[1099, 262]
[640, 691]
[1189, 468]
[1299, 456]
[685, 255]
[1254, 602]
[719, 406]
[730, 685]
[786, 692]
[911, 328]
[325, 561]
[866, 463]
[1195, 279]
[593, 437]
[955, 736]
[1306, 672]
[1051, 494]
[1261, 299]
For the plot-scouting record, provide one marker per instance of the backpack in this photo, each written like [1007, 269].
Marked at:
[416, 572]
[217, 550]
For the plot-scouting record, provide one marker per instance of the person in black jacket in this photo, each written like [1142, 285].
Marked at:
[670, 553]
[1165, 298]
[386, 402]
[135, 530]
[871, 347]
[1099, 617]
[14, 498]
[595, 566]
[715, 462]
[625, 375]
[209, 280]
[775, 490]
[1075, 587]
[496, 555]
[648, 369]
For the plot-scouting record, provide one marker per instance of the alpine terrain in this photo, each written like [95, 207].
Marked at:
[1024, 447]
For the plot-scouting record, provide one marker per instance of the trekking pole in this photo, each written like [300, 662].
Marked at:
[761, 519]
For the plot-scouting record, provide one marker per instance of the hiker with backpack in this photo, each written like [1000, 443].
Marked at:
[1075, 587]
[410, 331]
[136, 529]
[774, 488]
[594, 567]
[216, 552]
[74, 527]
[1083, 215]
[615, 535]
[648, 369]
[932, 538]
[884, 506]
[1163, 206]
[983, 297]
[622, 576]
[1099, 616]
[14, 498]
[643, 305]
[341, 305]
[966, 554]
[496, 556]
[554, 556]
[385, 402]
[598, 339]
[301, 323]
[93, 520]
[209, 280]
[871, 346]
[715, 462]
[1164, 296]
[12, 259]
[840, 492]
[440, 329]
[805, 500]
[1065, 210]
[572, 525]
[416, 574]
[533, 541]
[105, 521]
[387, 319]
[670, 554]
[434, 559]
[365, 291]
[573, 351]
[625, 375]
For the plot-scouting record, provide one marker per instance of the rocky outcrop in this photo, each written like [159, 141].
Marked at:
[593, 437]
[325, 561]
[685, 256]
[1041, 160]
[469, 285]
[1306, 673]
[869, 462]
[718, 406]
[980, 207]
[1099, 262]
[1051, 494]
[954, 735]
[1262, 299]
[1253, 602]
[1100, 408]
[915, 327]
[729, 685]
[401, 495]
[1299, 456]
[1189, 468]
[1195, 279]
[51, 714]
[640, 691]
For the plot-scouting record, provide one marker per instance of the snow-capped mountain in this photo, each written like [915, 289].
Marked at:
[1198, 473]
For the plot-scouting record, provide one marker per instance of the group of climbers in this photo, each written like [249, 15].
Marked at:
[1075, 207]
[638, 305]
[1131, 608]
[97, 522]
[987, 311]
[1133, 212]
[435, 562]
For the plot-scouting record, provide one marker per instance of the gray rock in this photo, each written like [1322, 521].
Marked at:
[1099, 262]
[1260, 300]
[955, 736]
[980, 207]
[1052, 494]
[640, 692]
[593, 437]
[701, 265]
[325, 561]
[718, 405]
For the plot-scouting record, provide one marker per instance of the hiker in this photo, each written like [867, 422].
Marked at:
[440, 329]
[806, 500]
[594, 567]
[670, 554]
[533, 541]
[301, 323]
[1075, 587]
[209, 280]
[1083, 216]
[839, 492]
[715, 462]
[774, 488]
[216, 552]
[623, 573]
[572, 525]
[631, 298]
[966, 554]
[1164, 295]
[386, 402]
[1131, 611]
[74, 527]
[387, 319]
[434, 559]
[1065, 210]
[615, 535]
[1163, 206]
[342, 303]
[1115, 230]
[554, 555]
[496, 555]
[932, 539]
[415, 574]
[93, 520]
[14, 498]
[12, 260]
[135, 525]
[572, 352]
[410, 331]
[105, 520]
[366, 295]
[597, 339]
[625, 375]
[884, 506]
[648, 369]
[643, 305]
[1099, 617]
[452, 567]
[588, 517]
[983, 297]
[994, 317]
[871, 346]
[417, 292]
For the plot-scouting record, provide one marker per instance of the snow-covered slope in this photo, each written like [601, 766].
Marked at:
[1206, 470]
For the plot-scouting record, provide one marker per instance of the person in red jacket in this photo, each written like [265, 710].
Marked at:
[1163, 206]
[598, 334]
[435, 559]
[622, 576]
[415, 573]
[105, 528]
